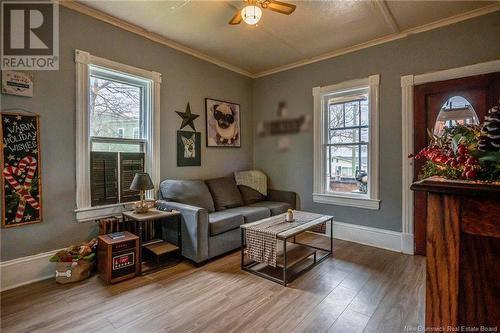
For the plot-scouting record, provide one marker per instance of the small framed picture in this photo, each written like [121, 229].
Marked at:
[223, 123]
[17, 83]
[188, 148]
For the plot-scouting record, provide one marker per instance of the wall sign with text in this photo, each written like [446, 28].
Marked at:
[20, 178]
[17, 83]
[30, 35]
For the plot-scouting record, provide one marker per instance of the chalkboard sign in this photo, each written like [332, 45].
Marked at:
[20, 158]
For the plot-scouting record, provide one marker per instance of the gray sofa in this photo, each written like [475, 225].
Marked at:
[213, 210]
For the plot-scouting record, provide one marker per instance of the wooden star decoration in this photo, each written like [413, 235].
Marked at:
[187, 117]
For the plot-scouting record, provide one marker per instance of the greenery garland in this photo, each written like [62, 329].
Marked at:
[455, 155]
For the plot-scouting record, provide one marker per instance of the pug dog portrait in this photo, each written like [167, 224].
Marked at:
[223, 123]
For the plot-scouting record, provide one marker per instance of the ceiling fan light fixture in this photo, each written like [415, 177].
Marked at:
[251, 14]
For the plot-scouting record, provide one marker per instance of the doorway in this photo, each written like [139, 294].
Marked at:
[445, 103]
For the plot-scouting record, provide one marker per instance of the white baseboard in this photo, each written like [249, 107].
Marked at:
[18, 272]
[385, 239]
[407, 243]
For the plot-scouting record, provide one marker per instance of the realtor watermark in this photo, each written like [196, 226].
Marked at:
[462, 328]
[30, 35]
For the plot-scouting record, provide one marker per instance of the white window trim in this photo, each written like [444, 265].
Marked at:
[371, 200]
[84, 211]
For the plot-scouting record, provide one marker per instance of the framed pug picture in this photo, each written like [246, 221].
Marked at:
[188, 148]
[223, 123]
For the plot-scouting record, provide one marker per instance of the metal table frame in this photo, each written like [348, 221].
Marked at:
[284, 281]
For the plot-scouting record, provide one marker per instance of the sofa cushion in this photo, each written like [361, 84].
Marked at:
[224, 221]
[274, 206]
[250, 195]
[189, 192]
[251, 214]
[224, 192]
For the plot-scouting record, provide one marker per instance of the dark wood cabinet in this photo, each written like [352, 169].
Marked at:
[463, 253]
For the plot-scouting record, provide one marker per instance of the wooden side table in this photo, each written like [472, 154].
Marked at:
[148, 227]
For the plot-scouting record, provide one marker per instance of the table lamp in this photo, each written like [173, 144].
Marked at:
[141, 183]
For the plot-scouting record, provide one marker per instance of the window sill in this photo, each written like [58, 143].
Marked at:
[94, 213]
[348, 201]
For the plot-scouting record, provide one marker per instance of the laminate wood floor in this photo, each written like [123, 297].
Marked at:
[360, 289]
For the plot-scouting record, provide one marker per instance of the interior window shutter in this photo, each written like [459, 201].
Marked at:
[130, 164]
[103, 178]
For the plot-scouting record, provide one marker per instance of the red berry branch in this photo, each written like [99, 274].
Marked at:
[455, 155]
[465, 151]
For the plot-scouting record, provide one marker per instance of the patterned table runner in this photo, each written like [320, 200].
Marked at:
[261, 237]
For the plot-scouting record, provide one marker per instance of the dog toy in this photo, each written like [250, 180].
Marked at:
[74, 253]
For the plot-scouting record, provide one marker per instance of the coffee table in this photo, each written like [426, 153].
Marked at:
[275, 231]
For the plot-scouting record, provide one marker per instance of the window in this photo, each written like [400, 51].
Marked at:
[346, 143]
[456, 110]
[116, 102]
[117, 133]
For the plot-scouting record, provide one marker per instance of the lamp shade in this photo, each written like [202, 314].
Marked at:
[141, 182]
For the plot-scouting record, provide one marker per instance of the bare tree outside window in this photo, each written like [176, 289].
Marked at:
[115, 112]
[114, 106]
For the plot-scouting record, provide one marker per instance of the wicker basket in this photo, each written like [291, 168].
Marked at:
[67, 272]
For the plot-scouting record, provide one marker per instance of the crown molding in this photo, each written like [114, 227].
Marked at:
[130, 27]
[385, 39]
[97, 14]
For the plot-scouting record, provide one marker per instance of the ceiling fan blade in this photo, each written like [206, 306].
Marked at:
[236, 18]
[281, 7]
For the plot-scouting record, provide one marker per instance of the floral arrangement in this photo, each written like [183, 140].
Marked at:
[467, 152]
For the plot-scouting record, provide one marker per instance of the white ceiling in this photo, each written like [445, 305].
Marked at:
[314, 29]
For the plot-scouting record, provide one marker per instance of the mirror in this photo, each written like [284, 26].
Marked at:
[456, 110]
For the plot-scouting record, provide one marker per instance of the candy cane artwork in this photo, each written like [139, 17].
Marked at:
[9, 172]
[20, 156]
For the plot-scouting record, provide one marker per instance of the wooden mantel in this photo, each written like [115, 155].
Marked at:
[463, 253]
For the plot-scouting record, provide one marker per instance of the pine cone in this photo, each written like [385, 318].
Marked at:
[490, 133]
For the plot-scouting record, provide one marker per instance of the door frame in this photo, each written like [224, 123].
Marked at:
[407, 84]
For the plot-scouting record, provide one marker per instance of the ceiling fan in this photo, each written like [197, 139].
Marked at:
[252, 12]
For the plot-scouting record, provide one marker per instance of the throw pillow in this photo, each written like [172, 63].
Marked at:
[250, 195]
[224, 192]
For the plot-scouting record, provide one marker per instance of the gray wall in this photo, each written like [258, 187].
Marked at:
[189, 79]
[461, 44]
[185, 79]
